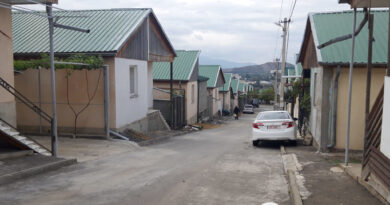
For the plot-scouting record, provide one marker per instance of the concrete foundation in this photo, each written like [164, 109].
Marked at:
[154, 121]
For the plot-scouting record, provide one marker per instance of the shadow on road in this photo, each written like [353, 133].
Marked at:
[275, 144]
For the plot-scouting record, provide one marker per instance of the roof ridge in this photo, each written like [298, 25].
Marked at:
[187, 50]
[83, 10]
[345, 11]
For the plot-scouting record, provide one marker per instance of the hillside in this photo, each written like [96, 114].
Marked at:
[204, 60]
[254, 69]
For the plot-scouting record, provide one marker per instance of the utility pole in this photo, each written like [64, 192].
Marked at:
[276, 84]
[285, 23]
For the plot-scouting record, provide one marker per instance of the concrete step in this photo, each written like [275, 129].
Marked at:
[20, 168]
[24, 140]
[12, 133]
[4, 129]
[15, 154]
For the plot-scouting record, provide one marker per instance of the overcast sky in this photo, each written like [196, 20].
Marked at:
[235, 30]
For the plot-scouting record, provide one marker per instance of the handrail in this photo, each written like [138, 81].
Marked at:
[25, 100]
[11, 126]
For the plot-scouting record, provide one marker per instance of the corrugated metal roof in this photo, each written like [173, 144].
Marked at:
[109, 30]
[202, 78]
[331, 25]
[183, 66]
[234, 85]
[211, 72]
[228, 80]
[241, 87]
[299, 69]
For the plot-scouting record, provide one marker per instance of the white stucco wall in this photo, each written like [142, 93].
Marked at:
[315, 93]
[385, 139]
[129, 109]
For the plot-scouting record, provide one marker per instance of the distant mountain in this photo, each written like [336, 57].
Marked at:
[204, 60]
[254, 69]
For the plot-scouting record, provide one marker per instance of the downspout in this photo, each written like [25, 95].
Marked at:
[198, 113]
[223, 101]
[333, 123]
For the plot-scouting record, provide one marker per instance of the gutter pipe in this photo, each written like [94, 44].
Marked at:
[119, 135]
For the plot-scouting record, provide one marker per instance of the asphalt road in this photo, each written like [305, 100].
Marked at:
[216, 166]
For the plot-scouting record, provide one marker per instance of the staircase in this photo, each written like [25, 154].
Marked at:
[22, 142]
[11, 134]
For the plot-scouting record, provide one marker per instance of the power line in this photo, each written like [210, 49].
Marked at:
[292, 9]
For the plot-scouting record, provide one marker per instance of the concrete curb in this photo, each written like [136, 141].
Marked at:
[8, 178]
[293, 187]
[292, 181]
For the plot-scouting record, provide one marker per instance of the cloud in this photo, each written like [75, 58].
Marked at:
[234, 30]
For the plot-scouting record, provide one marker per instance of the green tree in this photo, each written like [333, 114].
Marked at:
[267, 95]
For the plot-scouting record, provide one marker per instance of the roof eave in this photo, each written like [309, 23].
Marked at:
[346, 64]
[165, 35]
[315, 37]
[127, 37]
[193, 65]
[104, 54]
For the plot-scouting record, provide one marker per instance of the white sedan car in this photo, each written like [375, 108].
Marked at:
[273, 125]
[248, 109]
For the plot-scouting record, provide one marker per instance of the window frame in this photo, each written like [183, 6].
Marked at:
[133, 84]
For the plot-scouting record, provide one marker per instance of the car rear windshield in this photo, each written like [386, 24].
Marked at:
[248, 106]
[274, 116]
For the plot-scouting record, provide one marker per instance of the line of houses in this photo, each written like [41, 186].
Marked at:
[328, 71]
[135, 47]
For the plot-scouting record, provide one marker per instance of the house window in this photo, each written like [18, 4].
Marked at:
[192, 94]
[133, 82]
[216, 94]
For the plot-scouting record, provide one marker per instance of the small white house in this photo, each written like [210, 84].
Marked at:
[129, 40]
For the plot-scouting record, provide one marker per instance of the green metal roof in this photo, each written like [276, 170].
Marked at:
[241, 87]
[228, 80]
[183, 66]
[211, 72]
[299, 69]
[326, 26]
[234, 85]
[202, 78]
[110, 29]
[289, 71]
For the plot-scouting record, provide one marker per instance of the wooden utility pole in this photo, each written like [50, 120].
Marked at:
[285, 23]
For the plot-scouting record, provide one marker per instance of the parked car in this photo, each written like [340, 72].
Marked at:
[248, 109]
[275, 126]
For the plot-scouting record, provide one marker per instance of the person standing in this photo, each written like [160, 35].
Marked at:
[236, 111]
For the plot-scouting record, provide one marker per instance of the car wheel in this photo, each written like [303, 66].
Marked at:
[255, 143]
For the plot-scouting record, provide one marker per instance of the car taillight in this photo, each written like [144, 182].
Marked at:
[257, 125]
[288, 124]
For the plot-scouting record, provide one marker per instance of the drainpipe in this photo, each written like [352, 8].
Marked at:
[198, 113]
[333, 136]
[106, 100]
[223, 101]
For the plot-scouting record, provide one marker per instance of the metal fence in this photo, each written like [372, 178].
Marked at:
[179, 109]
